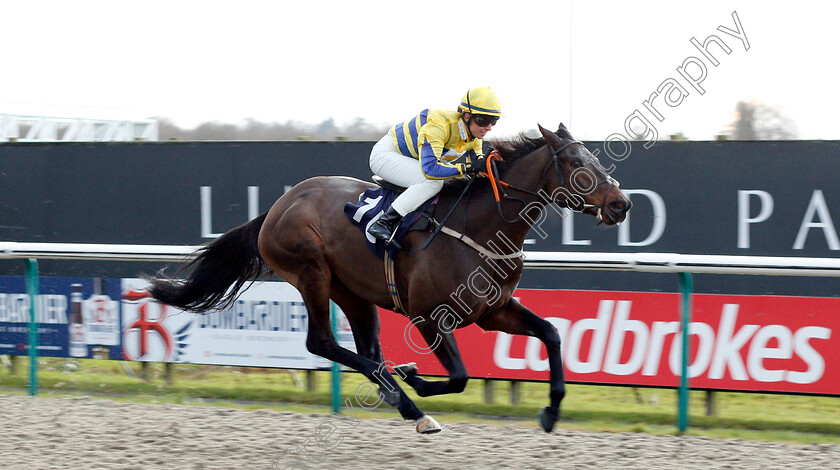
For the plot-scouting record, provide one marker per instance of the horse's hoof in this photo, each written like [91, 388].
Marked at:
[548, 417]
[427, 425]
[406, 370]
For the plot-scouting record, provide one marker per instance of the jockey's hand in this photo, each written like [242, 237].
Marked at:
[476, 166]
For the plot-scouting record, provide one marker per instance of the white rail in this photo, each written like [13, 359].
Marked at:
[642, 262]
[91, 251]
[679, 263]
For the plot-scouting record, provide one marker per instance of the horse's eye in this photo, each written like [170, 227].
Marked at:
[576, 164]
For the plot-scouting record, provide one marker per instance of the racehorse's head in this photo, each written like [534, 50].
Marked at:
[580, 182]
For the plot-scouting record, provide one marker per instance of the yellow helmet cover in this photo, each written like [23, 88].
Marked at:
[482, 100]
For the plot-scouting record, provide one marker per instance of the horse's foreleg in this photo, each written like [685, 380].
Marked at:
[314, 286]
[306, 268]
[321, 341]
[364, 321]
[444, 346]
[515, 319]
[325, 346]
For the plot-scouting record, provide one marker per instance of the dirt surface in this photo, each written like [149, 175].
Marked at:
[83, 433]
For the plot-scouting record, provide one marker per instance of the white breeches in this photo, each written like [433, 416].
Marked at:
[387, 162]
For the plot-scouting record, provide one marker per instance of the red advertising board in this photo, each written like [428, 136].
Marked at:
[750, 343]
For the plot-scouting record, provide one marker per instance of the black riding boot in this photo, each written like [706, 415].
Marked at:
[384, 228]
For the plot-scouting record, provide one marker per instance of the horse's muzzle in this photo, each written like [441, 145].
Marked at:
[615, 211]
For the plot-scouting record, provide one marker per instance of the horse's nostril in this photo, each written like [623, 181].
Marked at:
[620, 206]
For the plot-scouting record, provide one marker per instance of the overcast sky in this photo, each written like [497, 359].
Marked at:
[589, 64]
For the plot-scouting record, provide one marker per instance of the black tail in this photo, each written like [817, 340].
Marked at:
[231, 260]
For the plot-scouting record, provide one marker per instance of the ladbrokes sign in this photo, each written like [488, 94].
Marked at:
[737, 342]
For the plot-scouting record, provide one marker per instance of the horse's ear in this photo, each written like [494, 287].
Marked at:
[550, 137]
[563, 132]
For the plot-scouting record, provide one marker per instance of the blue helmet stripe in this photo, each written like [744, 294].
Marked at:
[479, 109]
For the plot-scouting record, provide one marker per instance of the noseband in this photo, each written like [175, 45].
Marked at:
[499, 185]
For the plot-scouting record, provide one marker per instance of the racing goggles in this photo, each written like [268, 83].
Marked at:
[483, 120]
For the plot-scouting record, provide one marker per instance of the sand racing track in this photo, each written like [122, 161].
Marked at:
[85, 433]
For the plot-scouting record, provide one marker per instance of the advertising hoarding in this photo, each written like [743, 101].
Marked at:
[265, 327]
[749, 343]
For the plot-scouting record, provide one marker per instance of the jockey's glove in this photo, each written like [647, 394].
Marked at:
[473, 167]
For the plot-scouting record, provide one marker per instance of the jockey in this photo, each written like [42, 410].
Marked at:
[419, 153]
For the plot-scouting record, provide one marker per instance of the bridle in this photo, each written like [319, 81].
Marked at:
[499, 185]
[499, 192]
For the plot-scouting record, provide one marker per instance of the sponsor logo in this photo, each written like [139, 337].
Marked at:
[615, 344]
[146, 326]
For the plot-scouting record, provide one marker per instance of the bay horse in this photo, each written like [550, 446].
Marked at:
[306, 240]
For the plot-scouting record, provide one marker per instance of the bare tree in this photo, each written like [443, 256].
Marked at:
[758, 121]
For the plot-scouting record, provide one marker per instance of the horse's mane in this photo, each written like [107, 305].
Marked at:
[513, 148]
[517, 146]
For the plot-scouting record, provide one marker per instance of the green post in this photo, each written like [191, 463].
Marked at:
[686, 286]
[336, 367]
[32, 291]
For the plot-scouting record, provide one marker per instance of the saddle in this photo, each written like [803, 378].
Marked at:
[375, 201]
[388, 185]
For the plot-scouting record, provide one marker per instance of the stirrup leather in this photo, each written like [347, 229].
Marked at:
[391, 282]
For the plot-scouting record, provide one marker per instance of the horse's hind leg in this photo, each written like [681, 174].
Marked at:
[515, 319]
